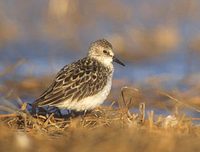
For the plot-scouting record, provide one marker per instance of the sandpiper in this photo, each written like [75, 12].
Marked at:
[84, 84]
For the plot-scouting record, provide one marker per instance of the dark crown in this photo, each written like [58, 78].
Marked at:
[103, 43]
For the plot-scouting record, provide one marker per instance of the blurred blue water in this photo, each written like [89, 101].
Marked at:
[43, 58]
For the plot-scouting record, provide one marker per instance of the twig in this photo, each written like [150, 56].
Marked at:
[8, 115]
[127, 103]
[195, 118]
[178, 101]
[12, 67]
[123, 98]
[151, 118]
[142, 112]
[7, 109]
[48, 120]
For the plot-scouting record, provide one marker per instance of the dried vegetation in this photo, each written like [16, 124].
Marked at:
[112, 127]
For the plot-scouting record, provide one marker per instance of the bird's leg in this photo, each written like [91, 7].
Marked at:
[55, 110]
[59, 112]
[33, 109]
[74, 113]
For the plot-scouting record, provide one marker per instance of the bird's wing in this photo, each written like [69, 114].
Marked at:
[75, 82]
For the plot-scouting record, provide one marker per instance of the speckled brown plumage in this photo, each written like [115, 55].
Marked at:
[78, 80]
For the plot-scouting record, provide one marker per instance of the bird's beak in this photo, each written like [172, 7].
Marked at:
[118, 61]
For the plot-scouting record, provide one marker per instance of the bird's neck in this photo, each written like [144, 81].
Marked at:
[107, 62]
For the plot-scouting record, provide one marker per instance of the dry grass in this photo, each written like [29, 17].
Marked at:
[109, 128]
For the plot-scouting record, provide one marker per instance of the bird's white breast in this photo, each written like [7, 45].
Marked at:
[91, 101]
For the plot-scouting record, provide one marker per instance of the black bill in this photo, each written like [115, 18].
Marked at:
[118, 61]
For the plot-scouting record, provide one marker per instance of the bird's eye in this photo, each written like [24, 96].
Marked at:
[104, 51]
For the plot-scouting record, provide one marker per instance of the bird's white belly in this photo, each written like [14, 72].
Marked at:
[88, 102]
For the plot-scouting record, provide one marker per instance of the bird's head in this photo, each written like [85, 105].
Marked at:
[102, 51]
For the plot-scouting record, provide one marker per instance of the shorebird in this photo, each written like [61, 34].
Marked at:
[83, 84]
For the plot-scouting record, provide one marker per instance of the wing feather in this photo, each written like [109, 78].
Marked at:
[75, 82]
